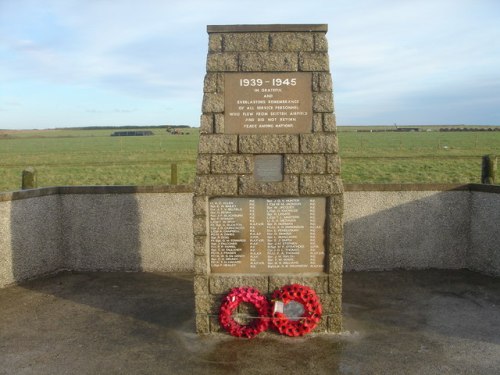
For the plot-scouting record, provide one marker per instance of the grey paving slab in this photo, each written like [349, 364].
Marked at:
[398, 322]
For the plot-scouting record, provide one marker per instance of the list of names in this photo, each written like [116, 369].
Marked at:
[259, 235]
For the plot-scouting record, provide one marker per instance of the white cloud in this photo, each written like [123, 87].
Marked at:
[385, 54]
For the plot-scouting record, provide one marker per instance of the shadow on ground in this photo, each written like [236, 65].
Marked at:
[424, 322]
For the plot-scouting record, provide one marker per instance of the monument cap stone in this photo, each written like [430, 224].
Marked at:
[267, 28]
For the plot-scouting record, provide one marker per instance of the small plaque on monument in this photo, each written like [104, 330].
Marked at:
[268, 168]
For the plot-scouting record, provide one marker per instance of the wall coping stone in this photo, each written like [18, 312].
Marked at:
[105, 189]
[62, 190]
[267, 28]
[422, 187]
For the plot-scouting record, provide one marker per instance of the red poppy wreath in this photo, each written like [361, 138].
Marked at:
[307, 321]
[232, 300]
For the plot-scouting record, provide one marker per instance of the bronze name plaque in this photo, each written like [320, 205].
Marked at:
[267, 235]
[257, 103]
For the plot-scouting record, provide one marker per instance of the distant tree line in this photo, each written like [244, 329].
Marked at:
[176, 131]
[470, 129]
[128, 127]
[416, 129]
[132, 133]
[389, 130]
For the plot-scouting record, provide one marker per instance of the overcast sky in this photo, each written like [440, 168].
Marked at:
[129, 62]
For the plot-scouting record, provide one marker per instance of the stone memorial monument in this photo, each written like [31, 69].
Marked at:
[268, 197]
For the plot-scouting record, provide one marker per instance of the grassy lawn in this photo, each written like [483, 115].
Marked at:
[93, 157]
[419, 157]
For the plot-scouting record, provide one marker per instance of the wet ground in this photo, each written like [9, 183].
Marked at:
[398, 322]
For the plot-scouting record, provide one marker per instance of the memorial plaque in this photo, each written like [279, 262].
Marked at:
[268, 168]
[267, 235]
[259, 103]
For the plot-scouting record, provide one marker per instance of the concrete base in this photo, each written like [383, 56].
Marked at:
[425, 322]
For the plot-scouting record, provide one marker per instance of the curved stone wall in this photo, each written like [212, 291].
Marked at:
[110, 228]
[95, 229]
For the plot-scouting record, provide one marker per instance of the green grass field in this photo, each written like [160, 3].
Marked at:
[92, 157]
[415, 157]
